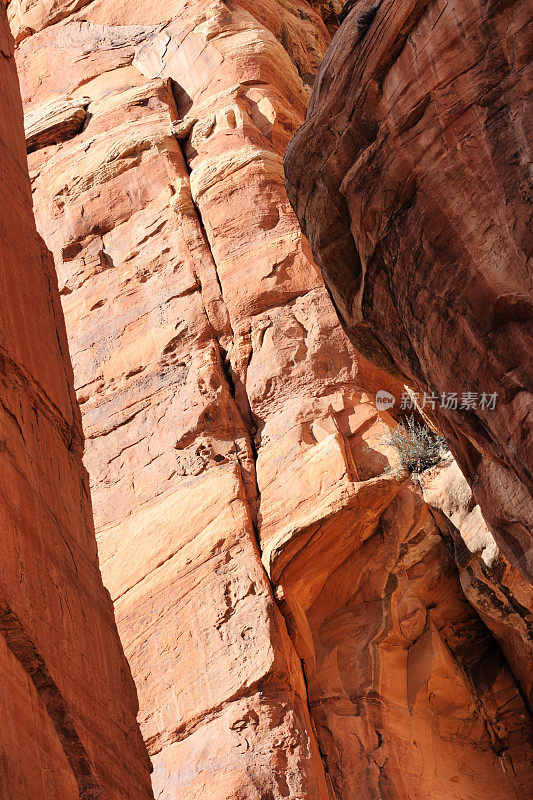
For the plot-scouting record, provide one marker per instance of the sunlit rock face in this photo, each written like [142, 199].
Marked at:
[405, 683]
[67, 701]
[410, 178]
[254, 549]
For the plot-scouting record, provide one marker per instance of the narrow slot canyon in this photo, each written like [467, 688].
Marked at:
[216, 580]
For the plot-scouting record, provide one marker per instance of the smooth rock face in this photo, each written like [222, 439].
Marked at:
[254, 550]
[410, 178]
[68, 706]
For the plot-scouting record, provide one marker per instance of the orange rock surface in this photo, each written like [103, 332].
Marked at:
[409, 692]
[67, 700]
[293, 617]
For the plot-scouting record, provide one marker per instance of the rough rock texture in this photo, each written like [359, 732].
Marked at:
[67, 700]
[162, 348]
[57, 121]
[411, 181]
[409, 692]
[501, 596]
[254, 550]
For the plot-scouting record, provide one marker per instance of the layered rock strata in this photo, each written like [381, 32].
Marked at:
[233, 446]
[410, 178]
[67, 701]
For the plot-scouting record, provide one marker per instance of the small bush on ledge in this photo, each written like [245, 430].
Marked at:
[418, 447]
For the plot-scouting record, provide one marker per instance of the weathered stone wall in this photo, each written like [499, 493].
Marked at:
[67, 701]
[411, 179]
[253, 547]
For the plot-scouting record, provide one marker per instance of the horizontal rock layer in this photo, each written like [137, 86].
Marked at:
[233, 446]
[410, 179]
[67, 701]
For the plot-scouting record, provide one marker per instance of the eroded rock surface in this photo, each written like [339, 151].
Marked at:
[67, 701]
[176, 256]
[406, 685]
[499, 593]
[231, 433]
[411, 181]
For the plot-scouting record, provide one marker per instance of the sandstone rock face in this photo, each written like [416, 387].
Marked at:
[501, 596]
[67, 701]
[410, 179]
[409, 692]
[255, 551]
[169, 283]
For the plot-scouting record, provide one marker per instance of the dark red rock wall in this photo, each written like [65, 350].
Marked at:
[67, 702]
[410, 178]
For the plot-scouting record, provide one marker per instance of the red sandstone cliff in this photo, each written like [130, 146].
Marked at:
[294, 618]
[411, 180]
[67, 701]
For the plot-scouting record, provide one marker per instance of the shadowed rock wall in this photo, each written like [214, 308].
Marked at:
[67, 700]
[411, 180]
